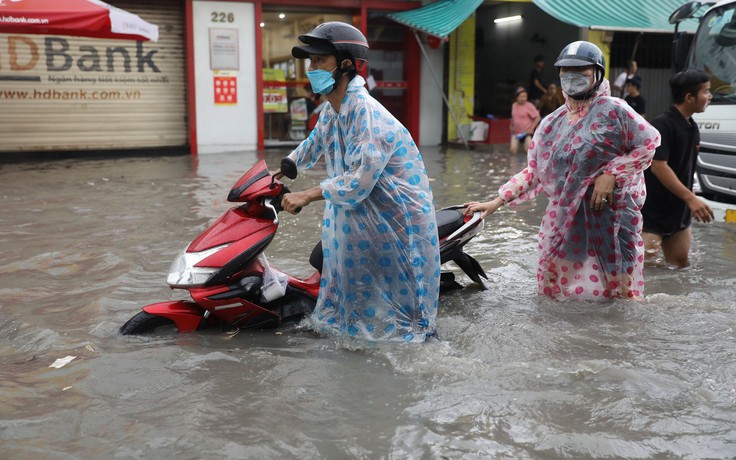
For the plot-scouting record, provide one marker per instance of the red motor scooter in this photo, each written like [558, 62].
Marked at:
[232, 284]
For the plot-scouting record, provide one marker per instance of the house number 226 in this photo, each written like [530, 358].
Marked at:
[219, 16]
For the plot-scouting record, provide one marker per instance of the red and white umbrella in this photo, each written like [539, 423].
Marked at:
[83, 18]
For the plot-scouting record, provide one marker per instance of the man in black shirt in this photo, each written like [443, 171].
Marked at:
[670, 203]
[536, 87]
[634, 98]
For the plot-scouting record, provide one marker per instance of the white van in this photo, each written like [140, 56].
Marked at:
[713, 50]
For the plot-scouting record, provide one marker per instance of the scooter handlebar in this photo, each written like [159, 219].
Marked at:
[288, 169]
[276, 202]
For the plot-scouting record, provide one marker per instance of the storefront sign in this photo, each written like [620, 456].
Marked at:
[53, 89]
[226, 90]
[274, 91]
[298, 110]
[224, 53]
[38, 69]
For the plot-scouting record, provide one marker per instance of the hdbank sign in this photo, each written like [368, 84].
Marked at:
[78, 69]
[55, 89]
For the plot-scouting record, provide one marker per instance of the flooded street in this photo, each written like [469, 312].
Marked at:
[84, 244]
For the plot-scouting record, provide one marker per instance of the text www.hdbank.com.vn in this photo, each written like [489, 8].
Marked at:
[80, 95]
[22, 20]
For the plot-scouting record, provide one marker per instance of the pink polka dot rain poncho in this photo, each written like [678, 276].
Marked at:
[381, 270]
[586, 253]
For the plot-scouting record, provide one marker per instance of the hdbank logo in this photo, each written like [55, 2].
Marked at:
[60, 57]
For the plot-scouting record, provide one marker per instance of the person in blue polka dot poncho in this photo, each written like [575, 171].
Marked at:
[381, 270]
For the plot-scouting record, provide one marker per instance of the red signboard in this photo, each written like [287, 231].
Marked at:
[226, 90]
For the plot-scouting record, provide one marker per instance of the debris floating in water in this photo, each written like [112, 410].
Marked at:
[61, 362]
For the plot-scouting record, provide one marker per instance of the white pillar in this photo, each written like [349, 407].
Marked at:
[222, 125]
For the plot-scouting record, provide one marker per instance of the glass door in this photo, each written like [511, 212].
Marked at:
[288, 103]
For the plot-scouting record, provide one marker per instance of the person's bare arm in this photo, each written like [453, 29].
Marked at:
[485, 208]
[534, 125]
[662, 171]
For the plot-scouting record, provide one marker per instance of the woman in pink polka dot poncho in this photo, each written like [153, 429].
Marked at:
[588, 158]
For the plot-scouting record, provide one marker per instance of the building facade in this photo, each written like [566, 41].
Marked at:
[61, 93]
[220, 78]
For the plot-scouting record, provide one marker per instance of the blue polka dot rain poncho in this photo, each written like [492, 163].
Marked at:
[381, 270]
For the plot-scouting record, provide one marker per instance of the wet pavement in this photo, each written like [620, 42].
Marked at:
[85, 243]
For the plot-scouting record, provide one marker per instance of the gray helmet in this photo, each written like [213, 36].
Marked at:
[582, 54]
[334, 38]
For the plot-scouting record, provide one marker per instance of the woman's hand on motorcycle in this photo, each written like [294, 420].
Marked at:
[486, 208]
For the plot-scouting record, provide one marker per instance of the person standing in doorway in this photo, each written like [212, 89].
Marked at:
[524, 120]
[380, 276]
[536, 87]
[619, 85]
[588, 159]
[635, 100]
[551, 100]
[671, 205]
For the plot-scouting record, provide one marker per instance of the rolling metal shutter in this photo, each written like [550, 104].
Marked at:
[69, 93]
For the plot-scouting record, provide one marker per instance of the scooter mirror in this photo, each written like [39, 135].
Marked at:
[288, 168]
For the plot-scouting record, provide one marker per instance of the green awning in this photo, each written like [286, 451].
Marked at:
[440, 18]
[618, 15]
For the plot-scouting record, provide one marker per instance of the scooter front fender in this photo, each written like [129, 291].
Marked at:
[186, 315]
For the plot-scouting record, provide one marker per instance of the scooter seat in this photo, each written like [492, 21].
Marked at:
[316, 257]
[448, 220]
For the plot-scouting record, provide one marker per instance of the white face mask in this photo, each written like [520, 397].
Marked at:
[574, 84]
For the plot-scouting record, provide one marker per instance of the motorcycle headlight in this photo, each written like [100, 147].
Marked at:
[184, 274]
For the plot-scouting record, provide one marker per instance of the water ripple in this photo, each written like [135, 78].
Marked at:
[514, 375]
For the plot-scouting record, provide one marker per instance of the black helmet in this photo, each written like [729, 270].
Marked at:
[334, 38]
[582, 54]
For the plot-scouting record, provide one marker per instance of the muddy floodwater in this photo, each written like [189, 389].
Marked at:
[84, 243]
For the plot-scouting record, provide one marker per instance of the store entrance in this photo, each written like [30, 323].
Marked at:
[288, 103]
[289, 106]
